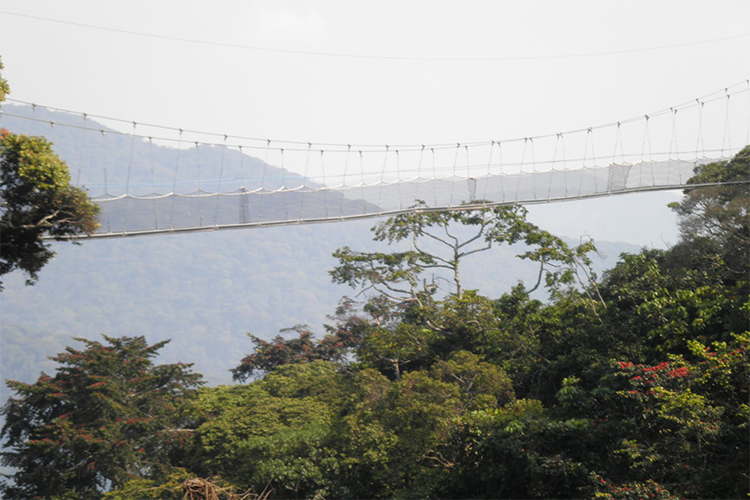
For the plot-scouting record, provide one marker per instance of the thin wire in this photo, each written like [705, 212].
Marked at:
[221, 179]
[283, 175]
[419, 174]
[343, 183]
[647, 138]
[305, 178]
[198, 172]
[700, 146]
[533, 166]
[727, 137]
[455, 162]
[378, 57]
[618, 140]
[489, 167]
[673, 142]
[434, 176]
[80, 155]
[325, 191]
[127, 179]
[382, 177]
[242, 164]
[283, 186]
[468, 163]
[362, 183]
[174, 183]
[53, 134]
[554, 167]
[500, 159]
[106, 187]
[198, 165]
[307, 162]
[346, 165]
[521, 171]
[153, 181]
[130, 159]
[221, 164]
[398, 179]
[265, 163]
[564, 162]
[104, 146]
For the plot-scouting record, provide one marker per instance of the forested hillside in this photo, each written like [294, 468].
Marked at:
[629, 384]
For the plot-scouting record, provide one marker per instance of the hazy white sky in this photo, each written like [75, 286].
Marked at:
[374, 72]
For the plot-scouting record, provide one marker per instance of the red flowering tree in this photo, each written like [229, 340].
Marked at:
[685, 422]
[301, 349]
[103, 418]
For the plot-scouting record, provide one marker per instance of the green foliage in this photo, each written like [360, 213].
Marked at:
[718, 212]
[648, 489]
[393, 350]
[37, 200]
[272, 430]
[670, 306]
[303, 349]
[396, 275]
[106, 416]
[517, 451]
[181, 485]
[715, 220]
[308, 430]
[685, 423]
[169, 488]
[393, 274]
[481, 384]
[4, 87]
[408, 328]
[441, 240]
[363, 444]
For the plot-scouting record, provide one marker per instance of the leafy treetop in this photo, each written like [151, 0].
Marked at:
[106, 416]
[36, 200]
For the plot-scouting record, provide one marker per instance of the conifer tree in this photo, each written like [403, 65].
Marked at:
[106, 416]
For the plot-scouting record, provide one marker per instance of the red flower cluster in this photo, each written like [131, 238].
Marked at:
[681, 372]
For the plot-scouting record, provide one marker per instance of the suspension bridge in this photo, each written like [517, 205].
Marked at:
[151, 179]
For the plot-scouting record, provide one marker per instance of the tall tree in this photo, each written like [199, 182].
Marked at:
[441, 240]
[36, 200]
[715, 220]
[409, 326]
[4, 88]
[107, 415]
[396, 274]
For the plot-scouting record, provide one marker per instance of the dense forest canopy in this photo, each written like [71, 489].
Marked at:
[632, 385]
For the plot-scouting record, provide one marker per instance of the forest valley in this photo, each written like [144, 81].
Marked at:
[629, 385]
